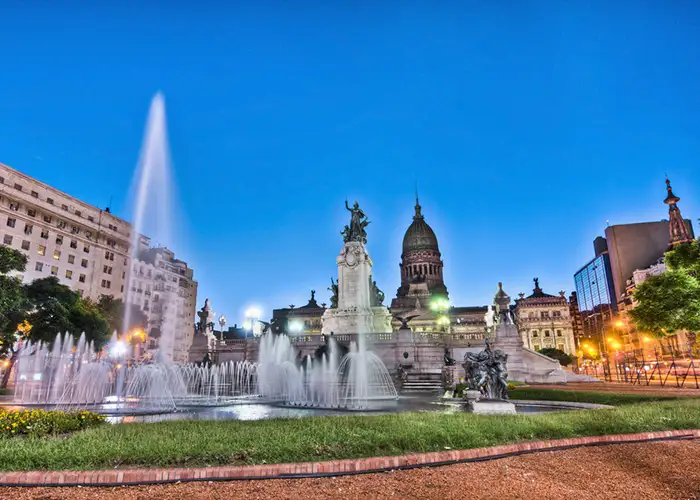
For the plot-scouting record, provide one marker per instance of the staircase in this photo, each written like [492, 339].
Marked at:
[422, 382]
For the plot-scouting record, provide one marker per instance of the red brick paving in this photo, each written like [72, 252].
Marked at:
[140, 476]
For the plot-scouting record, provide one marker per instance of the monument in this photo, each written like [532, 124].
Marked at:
[204, 339]
[356, 301]
[487, 378]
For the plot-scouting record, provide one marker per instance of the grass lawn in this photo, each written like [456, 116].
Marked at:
[603, 398]
[200, 443]
[5, 392]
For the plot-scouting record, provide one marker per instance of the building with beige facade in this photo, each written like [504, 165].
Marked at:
[88, 250]
[544, 321]
[85, 247]
[164, 288]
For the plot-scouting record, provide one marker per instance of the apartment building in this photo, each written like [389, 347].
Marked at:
[85, 247]
[164, 288]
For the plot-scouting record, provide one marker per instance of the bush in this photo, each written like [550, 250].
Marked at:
[563, 358]
[39, 423]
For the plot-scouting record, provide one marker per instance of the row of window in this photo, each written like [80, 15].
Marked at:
[53, 270]
[50, 201]
[561, 347]
[421, 270]
[535, 333]
[544, 314]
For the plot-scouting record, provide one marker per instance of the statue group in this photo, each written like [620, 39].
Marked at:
[355, 231]
[487, 373]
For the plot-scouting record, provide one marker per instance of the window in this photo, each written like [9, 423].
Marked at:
[28, 228]
[81, 278]
[73, 244]
[7, 240]
[534, 333]
[109, 255]
[536, 347]
[88, 234]
[546, 333]
[14, 207]
[111, 242]
[106, 284]
[61, 224]
[75, 230]
[91, 218]
[45, 234]
[25, 245]
[71, 259]
[59, 240]
[558, 333]
[56, 254]
[35, 194]
[107, 269]
[2, 180]
[11, 222]
[47, 218]
[544, 314]
[556, 314]
[49, 201]
[560, 347]
[84, 263]
[86, 249]
[39, 266]
[69, 274]
[77, 212]
[31, 212]
[41, 250]
[54, 270]
[64, 207]
[18, 187]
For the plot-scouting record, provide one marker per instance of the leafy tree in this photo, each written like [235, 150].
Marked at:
[13, 305]
[563, 358]
[670, 302]
[113, 311]
[40, 310]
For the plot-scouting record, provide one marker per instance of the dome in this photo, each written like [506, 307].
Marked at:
[419, 235]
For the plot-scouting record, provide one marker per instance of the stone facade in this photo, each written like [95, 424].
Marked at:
[544, 321]
[164, 288]
[85, 247]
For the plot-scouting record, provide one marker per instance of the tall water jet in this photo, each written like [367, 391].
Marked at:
[152, 212]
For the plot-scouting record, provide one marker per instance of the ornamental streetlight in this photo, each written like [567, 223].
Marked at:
[222, 324]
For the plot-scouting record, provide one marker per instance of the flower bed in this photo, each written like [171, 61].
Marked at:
[39, 423]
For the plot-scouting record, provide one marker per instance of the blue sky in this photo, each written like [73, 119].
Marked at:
[525, 124]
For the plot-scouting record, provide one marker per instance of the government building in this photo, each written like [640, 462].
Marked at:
[544, 320]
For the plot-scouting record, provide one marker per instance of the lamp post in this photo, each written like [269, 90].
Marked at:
[440, 307]
[252, 314]
[222, 324]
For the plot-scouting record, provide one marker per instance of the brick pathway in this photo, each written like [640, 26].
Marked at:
[335, 467]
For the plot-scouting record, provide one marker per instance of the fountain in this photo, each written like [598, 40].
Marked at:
[356, 381]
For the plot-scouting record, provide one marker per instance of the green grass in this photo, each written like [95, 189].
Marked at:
[200, 443]
[5, 392]
[603, 398]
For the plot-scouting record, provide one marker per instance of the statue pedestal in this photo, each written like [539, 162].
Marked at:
[355, 313]
[525, 365]
[492, 407]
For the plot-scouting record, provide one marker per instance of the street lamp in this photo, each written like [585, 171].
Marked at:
[252, 314]
[222, 324]
[440, 307]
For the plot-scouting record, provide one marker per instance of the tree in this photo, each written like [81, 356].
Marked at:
[13, 305]
[670, 302]
[55, 308]
[113, 311]
[563, 358]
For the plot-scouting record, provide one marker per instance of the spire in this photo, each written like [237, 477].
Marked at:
[678, 231]
[417, 207]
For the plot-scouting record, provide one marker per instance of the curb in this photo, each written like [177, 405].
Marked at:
[132, 477]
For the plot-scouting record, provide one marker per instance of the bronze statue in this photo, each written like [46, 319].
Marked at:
[404, 320]
[376, 296]
[358, 222]
[334, 291]
[449, 361]
[487, 372]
